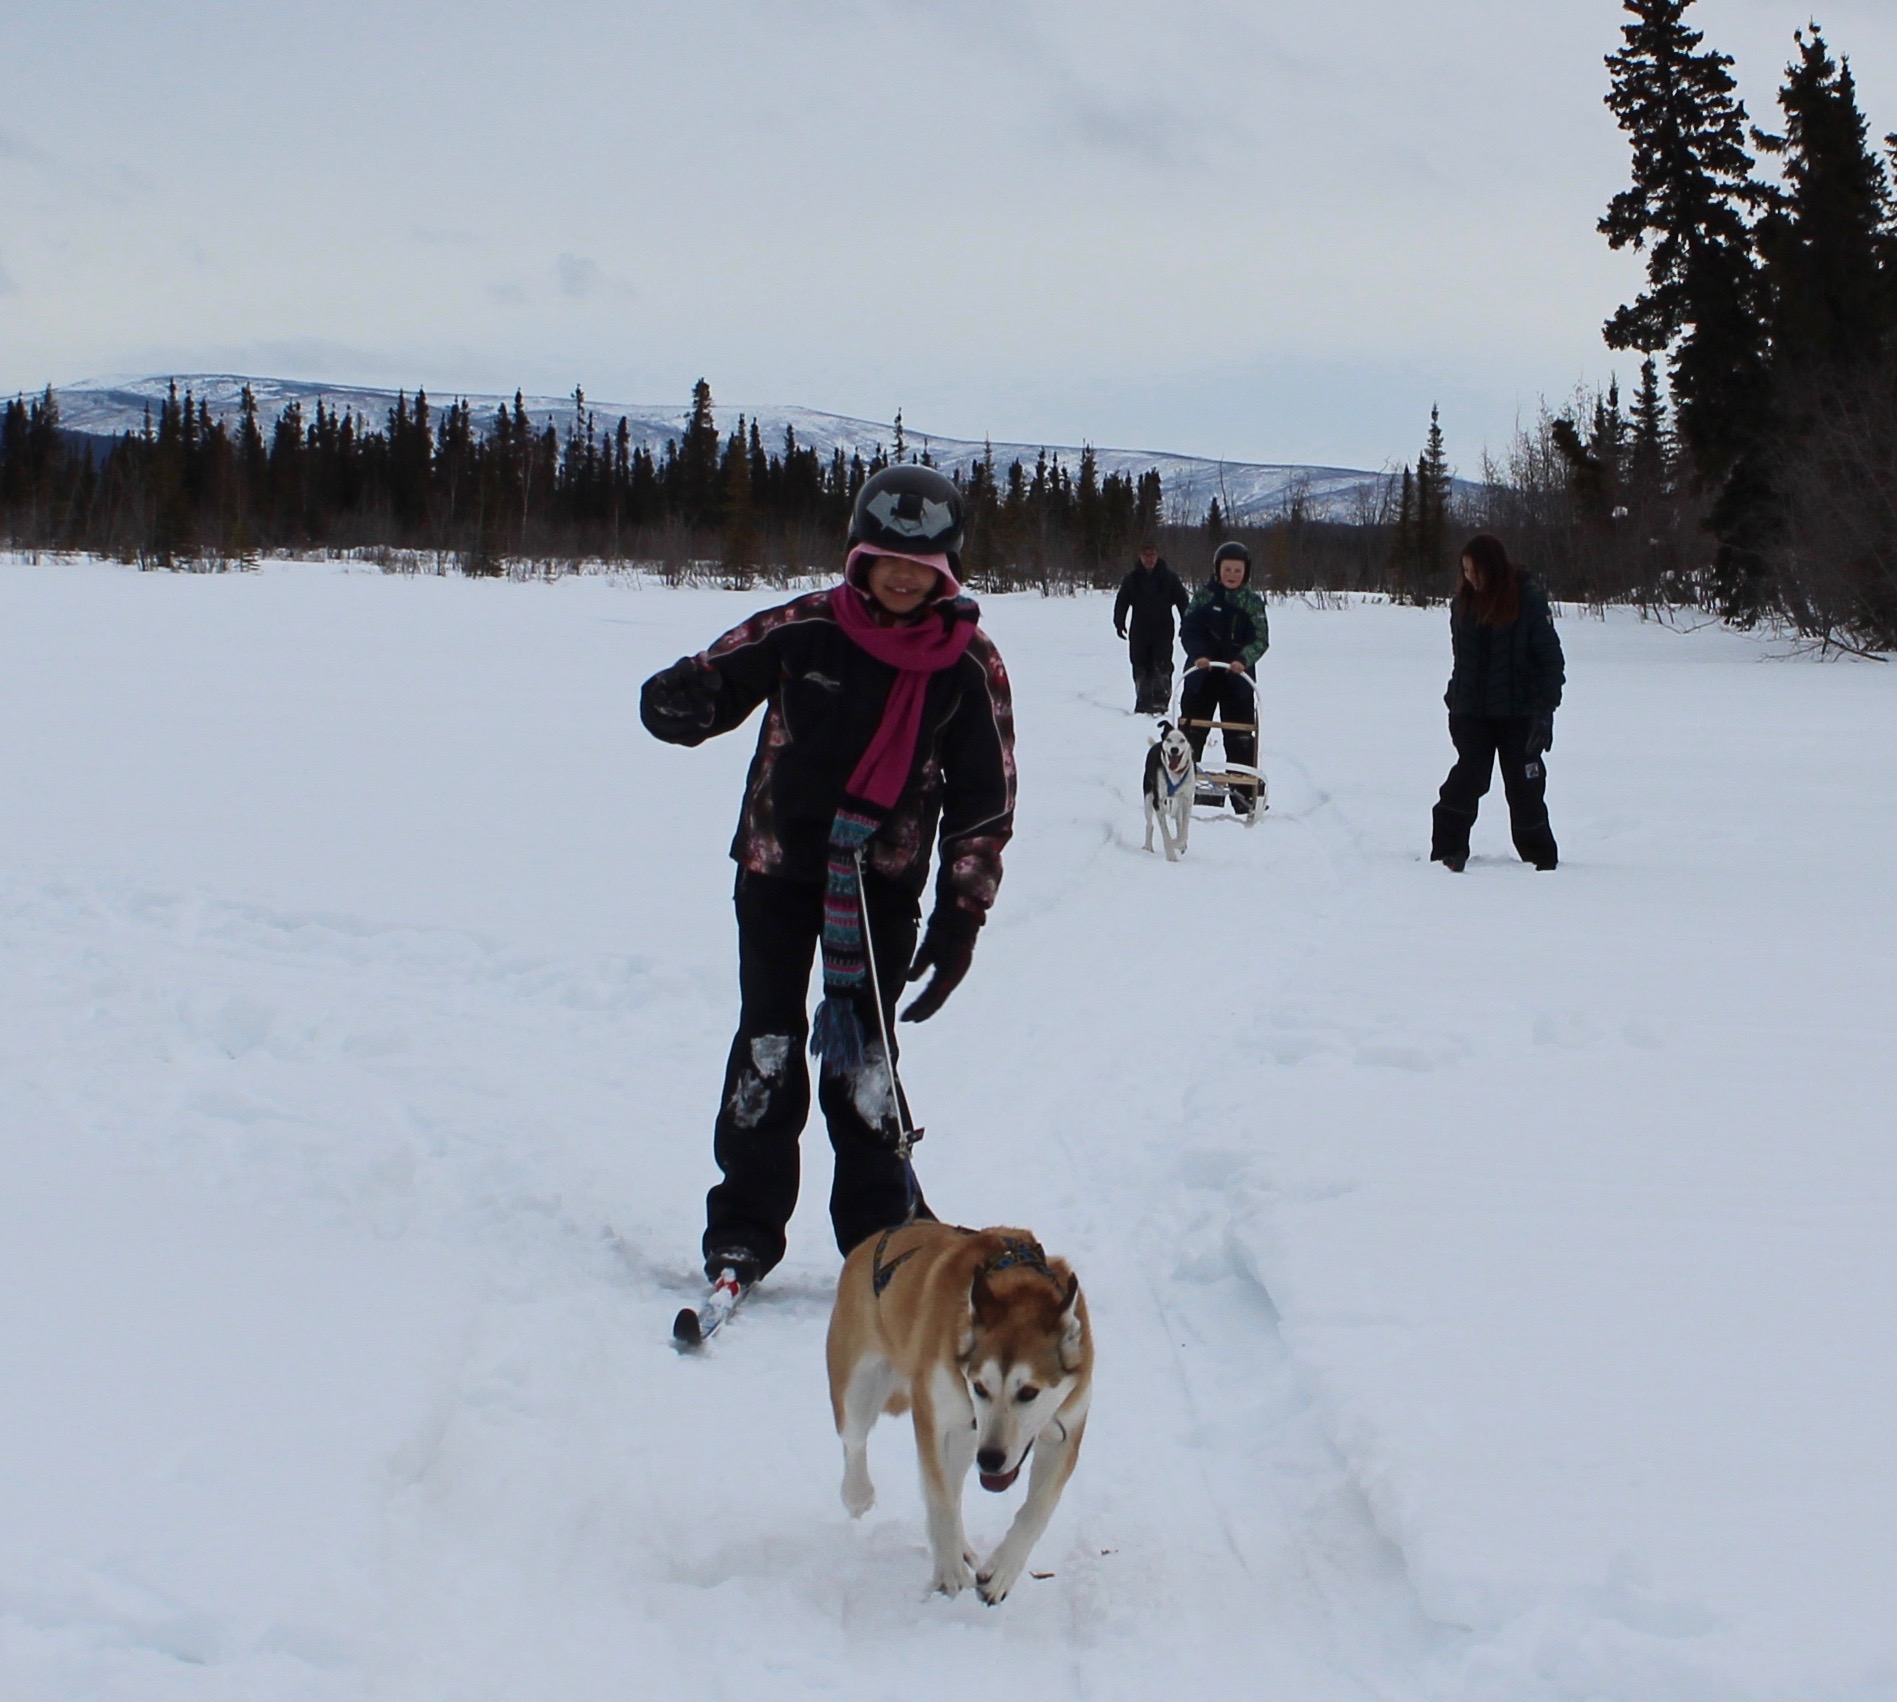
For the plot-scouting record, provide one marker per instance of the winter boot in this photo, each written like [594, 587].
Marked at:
[741, 1261]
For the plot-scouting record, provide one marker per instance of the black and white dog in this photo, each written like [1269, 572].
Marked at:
[1171, 779]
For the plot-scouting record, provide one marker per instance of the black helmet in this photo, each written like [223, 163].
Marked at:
[1232, 551]
[909, 509]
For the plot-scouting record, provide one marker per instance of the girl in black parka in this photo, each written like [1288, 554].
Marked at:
[888, 729]
[1502, 696]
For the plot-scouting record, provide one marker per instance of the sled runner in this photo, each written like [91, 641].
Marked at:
[1217, 783]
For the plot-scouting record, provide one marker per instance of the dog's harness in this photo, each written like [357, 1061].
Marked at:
[1028, 1255]
[1172, 786]
[880, 1273]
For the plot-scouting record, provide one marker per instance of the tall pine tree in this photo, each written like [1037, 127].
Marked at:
[700, 465]
[1688, 209]
[1432, 512]
[1827, 239]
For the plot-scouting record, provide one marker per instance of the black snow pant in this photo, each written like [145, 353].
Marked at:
[1235, 698]
[767, 1079]
[1151, 654]
[1481, 741]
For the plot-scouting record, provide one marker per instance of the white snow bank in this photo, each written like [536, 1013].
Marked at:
[1492, 1273]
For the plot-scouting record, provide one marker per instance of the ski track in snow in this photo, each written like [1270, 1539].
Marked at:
[368, 985]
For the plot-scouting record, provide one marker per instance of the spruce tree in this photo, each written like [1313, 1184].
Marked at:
[1149, 504]
[1433, 482]
[1827, 242]
[740, 531]
[1687, 209]
[1647, 456]
[698, 461]
[1403, 542]
[1089, 514]
[1827, 238]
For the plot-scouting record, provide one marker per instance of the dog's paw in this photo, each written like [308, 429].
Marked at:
[998, 1577]
[859, 1495]
[953, 1579]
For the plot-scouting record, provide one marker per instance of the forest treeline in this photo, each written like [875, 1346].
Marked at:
[484, 492]
[1753, 471]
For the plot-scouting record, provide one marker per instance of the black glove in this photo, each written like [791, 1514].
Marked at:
[1540, 736]
[1119, 632]
[680, 700]
[948, 947]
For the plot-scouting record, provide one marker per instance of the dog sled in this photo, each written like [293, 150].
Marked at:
[1217, 785]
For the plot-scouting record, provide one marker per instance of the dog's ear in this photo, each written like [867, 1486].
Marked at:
[1070, 1325]
[981, 1300]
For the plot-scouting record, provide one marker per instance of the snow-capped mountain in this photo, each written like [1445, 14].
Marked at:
[1250, 491]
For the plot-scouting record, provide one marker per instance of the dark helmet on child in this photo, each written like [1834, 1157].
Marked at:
[1232, 550]
[908, 510]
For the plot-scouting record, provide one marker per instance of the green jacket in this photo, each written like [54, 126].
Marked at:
[1225, 626]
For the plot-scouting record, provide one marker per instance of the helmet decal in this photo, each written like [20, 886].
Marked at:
[908, 507]
[911, 515]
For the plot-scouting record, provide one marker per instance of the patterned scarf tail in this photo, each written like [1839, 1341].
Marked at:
[836, 1035]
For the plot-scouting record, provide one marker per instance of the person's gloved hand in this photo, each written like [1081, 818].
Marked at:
[1540, 736]
[948, 947]
[1118, 630]
[680, 700]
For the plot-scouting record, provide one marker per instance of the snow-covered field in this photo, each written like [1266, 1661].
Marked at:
[1494, 1276]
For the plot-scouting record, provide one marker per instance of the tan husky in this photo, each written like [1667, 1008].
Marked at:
[986, 1340]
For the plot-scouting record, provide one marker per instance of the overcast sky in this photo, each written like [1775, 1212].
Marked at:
[1269, 231]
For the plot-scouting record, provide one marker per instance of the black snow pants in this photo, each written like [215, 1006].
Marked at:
[1234, 697]
[1151, 654]
[767, 1079]
[1481, 741]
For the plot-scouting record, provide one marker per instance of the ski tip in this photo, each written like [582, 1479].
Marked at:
[686, 1332]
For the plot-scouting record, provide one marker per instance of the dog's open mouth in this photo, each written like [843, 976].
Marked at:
[998, 1481]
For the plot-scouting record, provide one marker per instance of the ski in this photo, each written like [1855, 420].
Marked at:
[692, 1328]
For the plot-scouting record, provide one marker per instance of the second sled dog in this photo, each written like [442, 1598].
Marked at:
[1171, 780]
[984, 1340]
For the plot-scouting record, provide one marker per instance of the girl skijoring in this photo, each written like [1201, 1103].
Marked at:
[888, 724]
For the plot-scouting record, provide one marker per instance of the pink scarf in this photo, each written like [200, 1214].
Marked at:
[916, 651]
[933, 643]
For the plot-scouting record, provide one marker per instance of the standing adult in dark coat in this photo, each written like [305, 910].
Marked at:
[1148, 595]
[1502, 696]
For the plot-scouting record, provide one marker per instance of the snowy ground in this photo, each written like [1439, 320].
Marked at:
[1493, 1275]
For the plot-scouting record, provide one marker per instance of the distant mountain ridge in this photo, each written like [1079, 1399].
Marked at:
[1247, 490]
